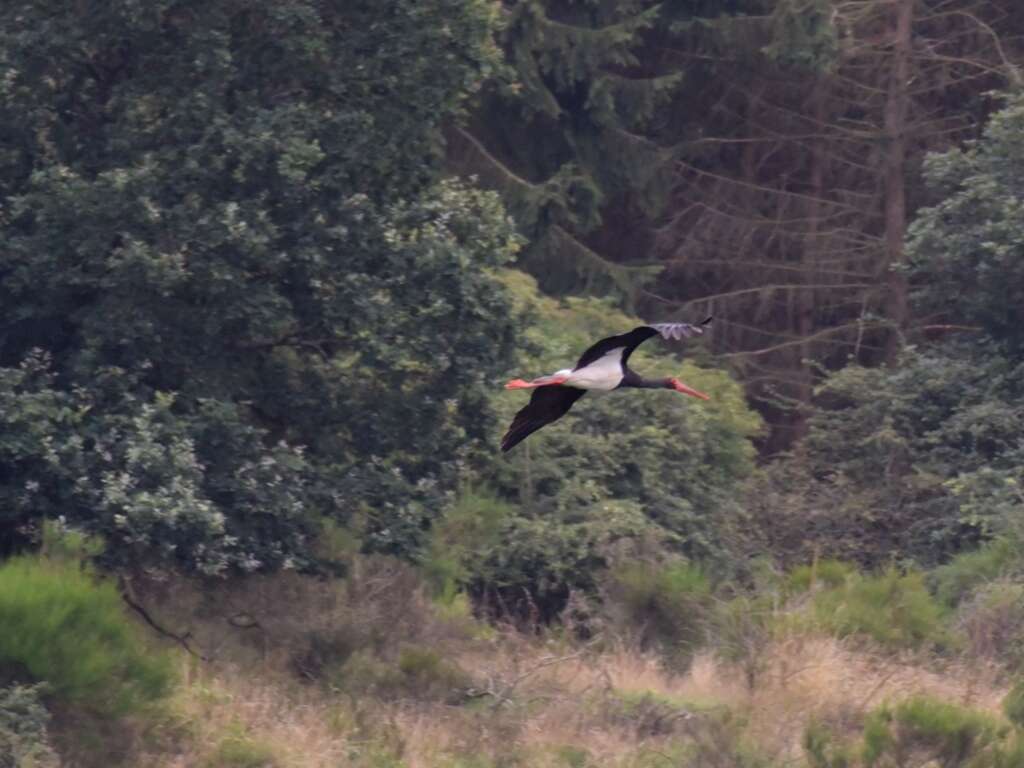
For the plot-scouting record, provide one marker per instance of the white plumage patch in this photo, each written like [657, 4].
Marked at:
[605, 373]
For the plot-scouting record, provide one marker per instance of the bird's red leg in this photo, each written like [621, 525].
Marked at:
[543, 381]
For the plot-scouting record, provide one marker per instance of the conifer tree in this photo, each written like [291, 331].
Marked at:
[569, 135]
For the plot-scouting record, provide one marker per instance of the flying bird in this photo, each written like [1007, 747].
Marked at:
[604, 367]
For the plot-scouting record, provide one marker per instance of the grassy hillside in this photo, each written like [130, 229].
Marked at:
[373, 671]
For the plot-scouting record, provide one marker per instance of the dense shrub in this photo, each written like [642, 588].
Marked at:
[645, 713]
[65, 627]
[380, 605]
[662, 605]
[633, 467]
[239, 750]
[418, 673]
[893, 609]
[741, 630]
[1013, 704]
[823, 750]
[956, 579]
[829, 574]
[968, 246]
[680, 460]
[257, 307]
[24, 740]
[916, 732]
[991, 622]
[913, 461]
[948, 734]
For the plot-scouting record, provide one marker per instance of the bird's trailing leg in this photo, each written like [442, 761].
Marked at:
[678, 386]
[543, 381]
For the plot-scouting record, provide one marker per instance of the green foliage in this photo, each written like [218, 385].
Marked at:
[1013, 704]
[991, 623]
[418, 673]
[24, 740]
[679, 459]
[226, 230]
[665, 604]
[893, 609]
[239, 750]
[556, 133]
[66, 628]
[956, 579]
[968, 248]
[741, 629]
[559, 510]
[804, 35]
[950, 735]
[830, 574]
[917, 731]
[917, 461]
[533, 564]
[469, 530]
[646, 713]
[928, 451]
[822, 750]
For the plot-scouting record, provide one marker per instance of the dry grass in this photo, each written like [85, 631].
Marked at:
[531, 698]
[549, 703]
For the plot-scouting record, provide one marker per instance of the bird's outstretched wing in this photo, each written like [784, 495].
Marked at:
[627, 342]
[548, 404]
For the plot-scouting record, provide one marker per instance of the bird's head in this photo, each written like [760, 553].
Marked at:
[678, 386]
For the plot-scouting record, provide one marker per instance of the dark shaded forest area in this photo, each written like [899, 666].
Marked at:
[265, 267]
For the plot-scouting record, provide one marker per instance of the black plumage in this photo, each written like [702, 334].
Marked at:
[547, 404]
[551, 402]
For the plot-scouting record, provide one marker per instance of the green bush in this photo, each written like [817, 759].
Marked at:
[947, 734]
[741, 630]
[664, 604]
[825, 573]
[991, 622]
[919, 731]
[67, 628]
[24, 741]
[1013, 704]
[646, 713]
[680, 460]
[418, 673]
[913, 461]
[953, 581]
[238, 750]
[823, 750]
[893, 609]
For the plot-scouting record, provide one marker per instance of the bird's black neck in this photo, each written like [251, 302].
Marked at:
[632, 379]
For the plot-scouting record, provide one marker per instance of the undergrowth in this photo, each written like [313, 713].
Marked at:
[73, 634]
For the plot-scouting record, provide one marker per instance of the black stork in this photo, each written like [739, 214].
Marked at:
[603, 367]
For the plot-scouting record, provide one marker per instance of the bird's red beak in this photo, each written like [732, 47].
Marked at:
[680, 387]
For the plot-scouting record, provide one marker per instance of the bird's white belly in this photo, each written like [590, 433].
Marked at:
[605, 373]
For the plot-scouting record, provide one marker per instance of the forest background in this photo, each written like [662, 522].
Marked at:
[265, 267]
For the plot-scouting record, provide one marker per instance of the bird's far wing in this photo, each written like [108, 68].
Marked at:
[548, 404]
[675, 331]
[624, 341]
[630, 341]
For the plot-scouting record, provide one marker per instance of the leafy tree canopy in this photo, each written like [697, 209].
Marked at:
[234, 293]
[967, 251]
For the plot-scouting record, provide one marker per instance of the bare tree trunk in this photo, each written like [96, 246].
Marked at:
[896, 113]
[812, 247]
